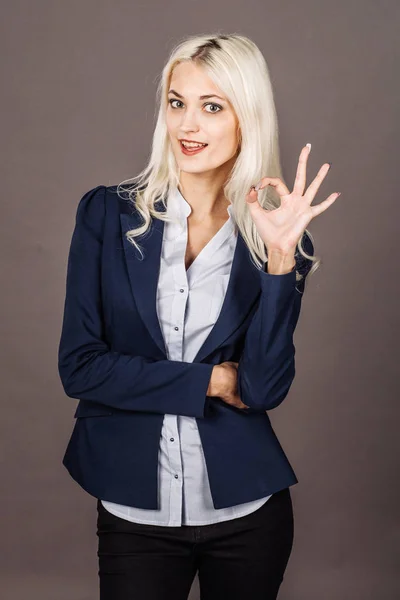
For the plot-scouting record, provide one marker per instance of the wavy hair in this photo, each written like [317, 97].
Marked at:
[237, 67]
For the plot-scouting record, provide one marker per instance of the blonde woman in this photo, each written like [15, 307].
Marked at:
[183, 292]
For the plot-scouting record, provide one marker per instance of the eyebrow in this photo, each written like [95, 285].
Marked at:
[201, 97]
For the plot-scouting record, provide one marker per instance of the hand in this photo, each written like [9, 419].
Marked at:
[281, 228]
[223, 384]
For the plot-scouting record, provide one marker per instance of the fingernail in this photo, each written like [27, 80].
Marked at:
[258, 186]
[309, 147]
[330, 164]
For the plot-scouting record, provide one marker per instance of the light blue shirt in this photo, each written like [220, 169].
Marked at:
[188, 304]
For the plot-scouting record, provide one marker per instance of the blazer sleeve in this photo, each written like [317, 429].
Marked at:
[88, 369]
[267, 365]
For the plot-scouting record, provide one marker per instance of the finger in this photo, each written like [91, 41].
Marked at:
[315, 184]
[322, 206]
[275, 182]
[252, 198]
[301, 173]
[238, 403]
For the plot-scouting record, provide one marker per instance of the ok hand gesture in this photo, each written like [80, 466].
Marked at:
[281, 228]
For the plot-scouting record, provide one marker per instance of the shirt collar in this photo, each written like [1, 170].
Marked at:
[182, 208]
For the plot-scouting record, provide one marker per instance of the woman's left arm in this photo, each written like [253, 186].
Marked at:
[266, 368]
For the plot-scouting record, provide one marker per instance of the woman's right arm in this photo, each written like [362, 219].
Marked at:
[88, 369]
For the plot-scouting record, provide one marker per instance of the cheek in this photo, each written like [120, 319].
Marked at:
[170, 122]
[226, 143]
[226, 131]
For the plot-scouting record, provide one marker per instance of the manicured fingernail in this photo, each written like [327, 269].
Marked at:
[309, 147]
[258, 186]
[330, 164]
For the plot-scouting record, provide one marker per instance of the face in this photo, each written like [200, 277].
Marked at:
[209, 120]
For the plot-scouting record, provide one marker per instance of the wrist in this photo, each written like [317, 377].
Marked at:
[280, 263]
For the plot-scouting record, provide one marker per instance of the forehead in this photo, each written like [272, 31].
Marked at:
[191, 79]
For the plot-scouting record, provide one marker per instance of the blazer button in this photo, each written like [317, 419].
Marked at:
[176, 476]
[176, 328]
[181, 290]
[171, 439]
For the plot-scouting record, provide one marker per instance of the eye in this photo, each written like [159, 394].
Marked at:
[207, 104]
[173, 100]
[212, 104]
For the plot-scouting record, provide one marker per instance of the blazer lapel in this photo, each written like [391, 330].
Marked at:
[241, 294]
[143, 272]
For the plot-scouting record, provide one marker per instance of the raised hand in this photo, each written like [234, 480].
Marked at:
[282, 228]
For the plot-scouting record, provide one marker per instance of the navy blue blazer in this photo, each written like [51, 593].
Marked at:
[113, 359]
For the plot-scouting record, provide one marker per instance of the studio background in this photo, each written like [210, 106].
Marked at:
[78, 110]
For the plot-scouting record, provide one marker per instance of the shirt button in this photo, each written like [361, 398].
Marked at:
[181, 290]
[176, 476]
[171, 439]
[176, 328]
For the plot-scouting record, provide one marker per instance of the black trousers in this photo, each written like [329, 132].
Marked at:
[241, 559]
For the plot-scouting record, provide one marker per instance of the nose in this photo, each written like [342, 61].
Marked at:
[189, 121]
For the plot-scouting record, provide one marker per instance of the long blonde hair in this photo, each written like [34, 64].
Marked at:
[237, 67]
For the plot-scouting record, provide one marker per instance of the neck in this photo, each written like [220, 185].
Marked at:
[204, 193]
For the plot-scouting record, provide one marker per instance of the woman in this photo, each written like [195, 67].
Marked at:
[183, 293]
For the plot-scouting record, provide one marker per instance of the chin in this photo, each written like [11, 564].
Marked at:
[193, 170]
[200, 168]
[193, 166]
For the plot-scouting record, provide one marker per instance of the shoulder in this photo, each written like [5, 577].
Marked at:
[121, 198]
[101, 200]
[90, 210]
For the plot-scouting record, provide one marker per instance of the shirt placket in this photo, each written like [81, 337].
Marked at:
[175, 351]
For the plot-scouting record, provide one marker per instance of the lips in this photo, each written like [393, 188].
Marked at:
[190, 151]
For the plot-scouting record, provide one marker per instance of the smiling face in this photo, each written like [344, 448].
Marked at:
[209, 120]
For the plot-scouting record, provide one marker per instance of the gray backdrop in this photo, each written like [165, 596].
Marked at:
[78, 87]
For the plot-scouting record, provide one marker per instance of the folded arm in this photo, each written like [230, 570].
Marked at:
[88, 369]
